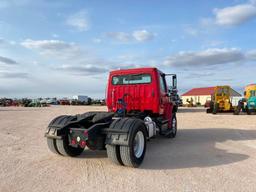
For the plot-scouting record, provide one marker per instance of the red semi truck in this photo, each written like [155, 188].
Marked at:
[140, 106]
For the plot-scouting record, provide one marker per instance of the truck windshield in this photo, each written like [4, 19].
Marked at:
[253, 93]
[223, 91]
[131, 79]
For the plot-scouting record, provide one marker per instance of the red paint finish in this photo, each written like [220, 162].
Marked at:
[141, 97]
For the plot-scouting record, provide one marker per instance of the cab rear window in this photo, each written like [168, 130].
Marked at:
[131, 79]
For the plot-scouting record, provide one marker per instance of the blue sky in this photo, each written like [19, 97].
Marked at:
[65, 48]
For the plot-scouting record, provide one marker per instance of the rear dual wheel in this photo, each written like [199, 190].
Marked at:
[62, 147]
[133, 154]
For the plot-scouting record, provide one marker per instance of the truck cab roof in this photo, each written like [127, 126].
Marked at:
[135, 70]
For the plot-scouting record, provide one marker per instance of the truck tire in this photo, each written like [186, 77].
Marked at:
[215, 109]
[173, 133]
[133, 154]
[66, 150]
[52, 145]
[238, 109]
[113, 152]
[248, 111]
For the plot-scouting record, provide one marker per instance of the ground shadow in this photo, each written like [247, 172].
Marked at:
[191, 148]
[195, 148]
[88, 154]
[191, 110]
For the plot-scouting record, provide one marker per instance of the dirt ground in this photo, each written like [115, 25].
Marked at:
[210, 153]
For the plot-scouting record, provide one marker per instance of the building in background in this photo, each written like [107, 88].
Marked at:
[203, 94]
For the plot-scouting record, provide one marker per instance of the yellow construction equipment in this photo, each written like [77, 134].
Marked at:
[221, 100]
[248, 103]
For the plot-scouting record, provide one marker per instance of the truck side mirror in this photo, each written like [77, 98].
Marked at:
[174, 81]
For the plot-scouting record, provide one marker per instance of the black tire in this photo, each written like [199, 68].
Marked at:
[237, 109]
[215, 109]
[52, 145]
[66, 150]
[173, 133]
[113, 152]
[248, 111]
[127, 153]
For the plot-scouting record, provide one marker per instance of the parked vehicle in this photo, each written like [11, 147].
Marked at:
[248, 103]
[139, 108]
[221, 100]
[64, 101]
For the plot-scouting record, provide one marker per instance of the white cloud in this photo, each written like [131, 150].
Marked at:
[79, 61]
[53, 47]
[205, 58]
[142, 35]
[120, 36]
[79, 21]
[6, 43]
[7, 61]
[138, 35]
[83, 70]
[235, 15]
[251, 55]
[13, 75]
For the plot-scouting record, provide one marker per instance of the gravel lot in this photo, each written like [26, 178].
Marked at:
[210, 153]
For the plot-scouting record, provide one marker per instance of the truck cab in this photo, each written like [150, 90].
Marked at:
[142, 90]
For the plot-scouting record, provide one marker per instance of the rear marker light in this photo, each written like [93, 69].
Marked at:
[73, 141]
[82, 144]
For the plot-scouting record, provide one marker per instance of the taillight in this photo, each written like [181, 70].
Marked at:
[73, 141]
[82, 144]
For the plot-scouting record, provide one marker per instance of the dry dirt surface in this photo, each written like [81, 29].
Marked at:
[210, 153]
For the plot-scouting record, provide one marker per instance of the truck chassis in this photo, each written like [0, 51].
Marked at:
[124, 138]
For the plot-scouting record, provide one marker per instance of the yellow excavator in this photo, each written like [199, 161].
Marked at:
[221, 100]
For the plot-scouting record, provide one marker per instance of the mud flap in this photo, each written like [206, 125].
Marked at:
[119, 132]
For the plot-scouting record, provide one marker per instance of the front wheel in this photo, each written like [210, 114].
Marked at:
[249, 112]
[215, 109]
[133, 154]
[174, 126]
[173, 132]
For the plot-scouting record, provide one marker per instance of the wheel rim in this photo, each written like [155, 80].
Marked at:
[138, 144]
[174, 125]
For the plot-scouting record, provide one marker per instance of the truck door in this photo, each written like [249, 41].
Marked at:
[165, 103]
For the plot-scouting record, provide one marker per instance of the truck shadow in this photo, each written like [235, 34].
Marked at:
[89, 154]
[196, 148]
